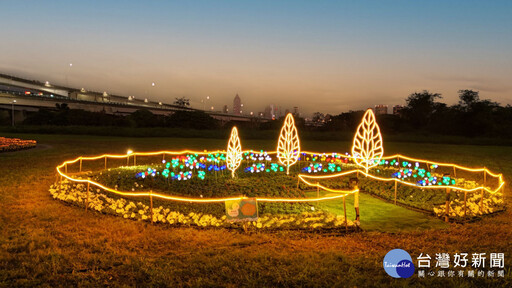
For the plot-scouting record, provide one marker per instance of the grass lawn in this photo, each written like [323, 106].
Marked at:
[45, 242]
[377, 215]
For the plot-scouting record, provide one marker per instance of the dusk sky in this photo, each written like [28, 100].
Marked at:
[327, 56]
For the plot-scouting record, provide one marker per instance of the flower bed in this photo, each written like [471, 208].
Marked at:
[15, 144]
[493, 203]
[203, 178]
[222, 185]
[434, 201]
[139, 210]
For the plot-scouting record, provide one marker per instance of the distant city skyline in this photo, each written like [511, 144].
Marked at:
[325, 56]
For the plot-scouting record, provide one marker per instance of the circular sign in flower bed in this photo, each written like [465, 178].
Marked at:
[272, 190]
[15, 144]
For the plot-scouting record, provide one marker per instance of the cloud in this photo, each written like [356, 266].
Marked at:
[483, 84]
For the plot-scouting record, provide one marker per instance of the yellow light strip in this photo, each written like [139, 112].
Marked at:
[480, 188]
[197, 200]
[274, 152]
[305, 199]
[303, 177]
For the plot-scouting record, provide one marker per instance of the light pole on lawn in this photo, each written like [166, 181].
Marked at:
[12, 111]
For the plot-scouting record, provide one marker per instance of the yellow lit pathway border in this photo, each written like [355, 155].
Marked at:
[179, 198]
[308, 179]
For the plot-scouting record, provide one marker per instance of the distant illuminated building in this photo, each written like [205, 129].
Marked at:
[225, 109]
[397, 109]
[237, 105]
[381, 109]
[296, 111]
[270, 112]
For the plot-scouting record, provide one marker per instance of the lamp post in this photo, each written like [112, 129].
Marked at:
[12, 111]
[68, 71]
[204, 101]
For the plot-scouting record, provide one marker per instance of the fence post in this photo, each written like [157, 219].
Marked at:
[134, 160]
[151, 205]
[57, 181]
[66, 168]
[465, 196]
[482, 193]
[447, 214]
[454, 172]
[345, 212]
[80, 164]
[127, 160]
[87, 199]
[356, 206]
[396, 184]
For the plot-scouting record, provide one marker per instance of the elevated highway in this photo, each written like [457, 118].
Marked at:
[23, 96]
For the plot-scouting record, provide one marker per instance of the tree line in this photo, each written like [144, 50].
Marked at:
[424, 113]
[63, 116]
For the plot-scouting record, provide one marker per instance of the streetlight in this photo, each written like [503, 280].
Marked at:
[68, 72]
[12, 112]
[204, 101]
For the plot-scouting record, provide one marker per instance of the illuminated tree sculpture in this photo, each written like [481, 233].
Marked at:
[234, 152]
[367, 148]
[288, 146]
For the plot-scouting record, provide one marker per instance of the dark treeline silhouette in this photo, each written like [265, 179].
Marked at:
[423, 114]
[63, 116]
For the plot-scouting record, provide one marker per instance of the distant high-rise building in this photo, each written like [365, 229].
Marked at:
[237, 105]
[270, 112]
[225, 109]
[396, 109]
[296, 111]
[381, 109]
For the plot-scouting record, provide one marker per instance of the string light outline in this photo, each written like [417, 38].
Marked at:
[288, 145]
[234, 152]
[367, 149]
